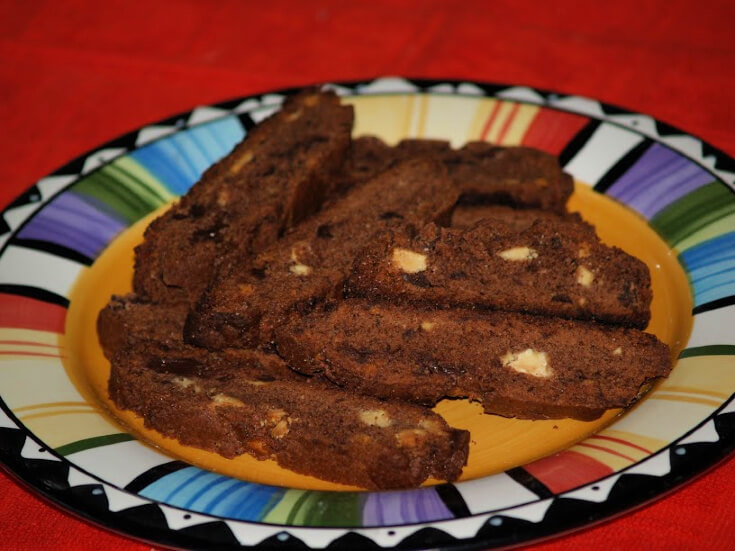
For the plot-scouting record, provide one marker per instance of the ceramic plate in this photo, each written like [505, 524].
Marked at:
[647, 187]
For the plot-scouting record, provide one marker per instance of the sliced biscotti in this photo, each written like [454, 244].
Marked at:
[556, 266]
[304, 426]
[279, 174]
[309, 264]
[516, 176]
[486, 174]
[466, 216]
[516, 365]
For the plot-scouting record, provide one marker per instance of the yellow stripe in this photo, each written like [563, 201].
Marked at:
[481, 115]
[689, 399]
[423, 110]
[523, 119]
[693, 390]
[613, 461]
[50, 405]
[505, 109]
[25, 418]
[41, 337]
[651, 444]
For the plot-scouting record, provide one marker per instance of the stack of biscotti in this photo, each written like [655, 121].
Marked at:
[245, 212]
[313, 294]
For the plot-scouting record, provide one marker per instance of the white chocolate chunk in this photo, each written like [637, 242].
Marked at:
[300, 269]
[185, 382]
[618, 351]
[584, 276]
[409, 261]
[224, 400]
[376, 418]
[518, 254]
[427, 325]
[531, 362]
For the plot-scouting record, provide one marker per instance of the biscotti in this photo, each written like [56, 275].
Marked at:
[515, 365]
[279, 174]
[485, 174]
[466, 216]
[555, 267]
[310, 264]
[306, 427]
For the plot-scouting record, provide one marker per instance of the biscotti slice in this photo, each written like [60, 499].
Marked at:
[279, 174]
[516, 176]
[310, 264]
[306, 427]
[516, 365]
[555, 267]
[466, 216]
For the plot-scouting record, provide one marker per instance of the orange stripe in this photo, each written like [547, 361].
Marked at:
[693, 390]
[689, 399]
[20, 353]
[621, 441]
[490, 121]
[507, 123]
[55, 413]
[49, 405]
[603, 449]
[30, 343]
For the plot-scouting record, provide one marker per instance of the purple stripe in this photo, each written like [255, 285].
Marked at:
[70, 221]
[421, 505]
[660, 177]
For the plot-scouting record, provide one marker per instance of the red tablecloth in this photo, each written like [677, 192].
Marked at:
[74, 74]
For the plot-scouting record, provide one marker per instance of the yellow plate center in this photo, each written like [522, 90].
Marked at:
[497, 443]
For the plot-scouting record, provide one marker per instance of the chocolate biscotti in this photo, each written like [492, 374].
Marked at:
[279, 174]
[310, 264]
[555, 267]
[305, 426]
[485, 174]
[516, 365]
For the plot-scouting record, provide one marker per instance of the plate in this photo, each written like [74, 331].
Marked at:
[57, 435]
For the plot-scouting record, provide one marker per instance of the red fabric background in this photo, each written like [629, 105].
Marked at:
[74, 74]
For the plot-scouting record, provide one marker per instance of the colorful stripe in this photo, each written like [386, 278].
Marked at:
[566, 470]
[552, 130]
[21, 312]
[660, 177]
[178, 161]
[711, 267]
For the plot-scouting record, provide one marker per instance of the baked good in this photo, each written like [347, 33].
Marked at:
[557, 267]
[516, 365]
[485, 174]
[310, 263]
[466, 216]
[308, 427]
[278, 175]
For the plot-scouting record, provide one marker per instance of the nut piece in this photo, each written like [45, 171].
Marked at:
[432, 426]
[618, 351]
[241, 161]
[410, 437]
[224, 400]
[584, 251]
[376, 418]
[293, 116]
[300, 269]
[531, 362]
[427, 325]
[409, 261]
[518, 254]
[584, 276]
[185, 382]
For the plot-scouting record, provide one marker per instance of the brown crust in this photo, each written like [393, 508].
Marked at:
[304, 426]
[278, 175]
[566, 272]
[310, 264]
[422, 355]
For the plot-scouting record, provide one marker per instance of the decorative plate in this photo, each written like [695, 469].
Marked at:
[57, 435]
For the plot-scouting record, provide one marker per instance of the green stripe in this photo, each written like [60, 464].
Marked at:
[126, 187]
[94, 442]
[697, 217]
[711, 350]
